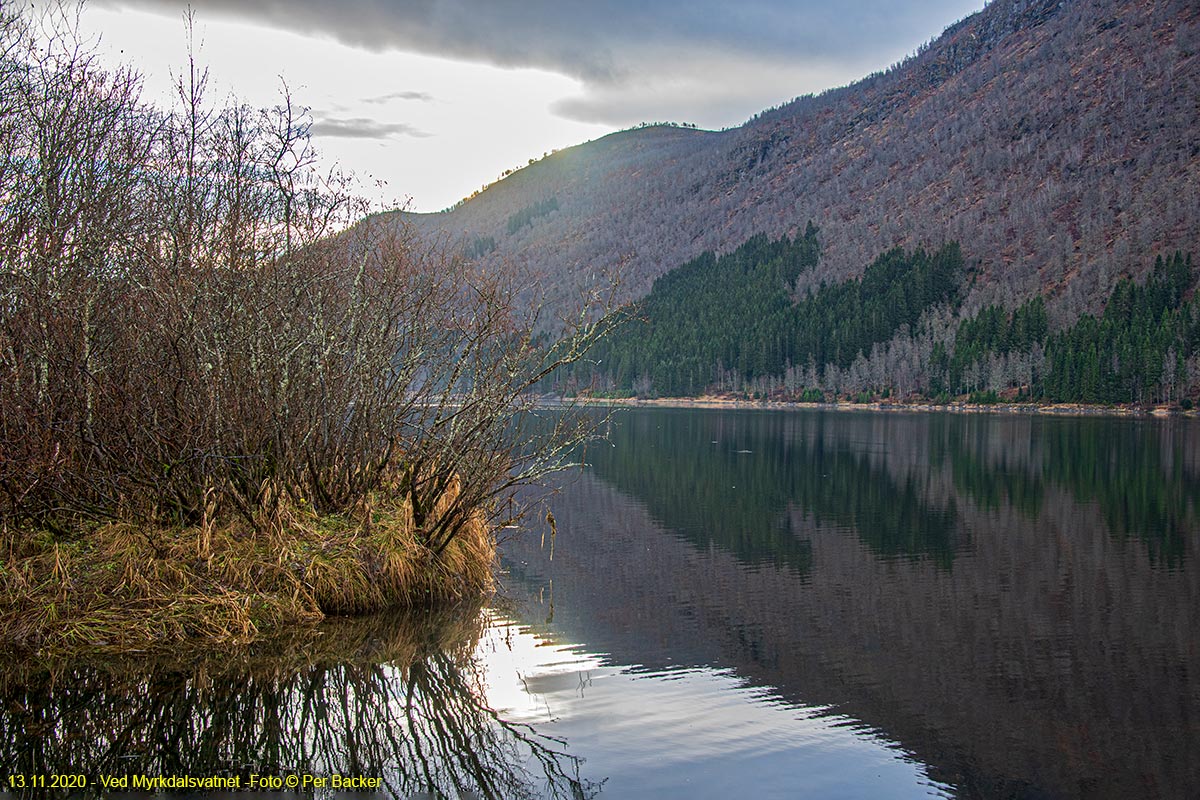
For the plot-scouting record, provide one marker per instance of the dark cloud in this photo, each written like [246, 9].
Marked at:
[618, 44]
[363, 128]
[424, 97]
[595, 40]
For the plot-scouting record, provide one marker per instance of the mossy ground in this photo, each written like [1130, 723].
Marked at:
[125, 586]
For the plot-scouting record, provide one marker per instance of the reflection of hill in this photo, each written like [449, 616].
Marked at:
[729, 479]
[1052, 660]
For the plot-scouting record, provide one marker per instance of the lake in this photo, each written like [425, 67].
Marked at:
[820, 604]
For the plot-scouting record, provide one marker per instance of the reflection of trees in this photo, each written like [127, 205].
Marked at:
[990, 471]
[730, 478]
[1138, 474]
[759, 468]
[666, 458]
[1142, 475]
[894, 518]
[390, 699]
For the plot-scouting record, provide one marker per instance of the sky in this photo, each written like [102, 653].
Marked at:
[428, 100]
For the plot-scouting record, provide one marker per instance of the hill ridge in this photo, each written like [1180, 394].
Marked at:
[1053, 140]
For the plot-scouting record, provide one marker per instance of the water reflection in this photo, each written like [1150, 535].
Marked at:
[769, 605]
[702, 732]
[1010, 601]
[729, 479]
[398, 698]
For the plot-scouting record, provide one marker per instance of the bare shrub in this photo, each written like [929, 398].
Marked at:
[193, 325]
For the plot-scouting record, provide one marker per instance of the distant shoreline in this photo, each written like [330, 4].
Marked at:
[1048, 409]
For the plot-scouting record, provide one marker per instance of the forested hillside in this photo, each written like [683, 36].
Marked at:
[739, 323]
[1055, 141]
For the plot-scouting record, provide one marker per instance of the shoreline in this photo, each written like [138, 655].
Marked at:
[1043, 409]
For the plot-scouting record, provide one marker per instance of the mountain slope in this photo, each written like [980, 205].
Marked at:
[1057, 142]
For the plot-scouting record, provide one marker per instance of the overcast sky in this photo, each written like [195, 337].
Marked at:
[437, 97]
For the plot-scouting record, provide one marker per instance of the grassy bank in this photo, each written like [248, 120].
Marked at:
[124, 586]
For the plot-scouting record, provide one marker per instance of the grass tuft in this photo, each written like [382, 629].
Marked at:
[123, 586]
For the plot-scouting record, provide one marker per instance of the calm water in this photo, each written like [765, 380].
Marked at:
[739, 604]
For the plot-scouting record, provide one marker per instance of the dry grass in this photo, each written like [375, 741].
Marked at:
[124, 587]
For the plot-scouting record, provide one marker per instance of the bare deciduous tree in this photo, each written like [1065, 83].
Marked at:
[196, 321]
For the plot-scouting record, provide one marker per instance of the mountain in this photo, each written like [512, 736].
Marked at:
[1057, 142]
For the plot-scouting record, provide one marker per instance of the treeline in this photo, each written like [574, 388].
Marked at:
[736, 318]
[992, 332]
[836, 323]
[743, 323]
[710, 315]
[1138, 350]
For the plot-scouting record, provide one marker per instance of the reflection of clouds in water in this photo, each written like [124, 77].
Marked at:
[686, 732]
[522, 669]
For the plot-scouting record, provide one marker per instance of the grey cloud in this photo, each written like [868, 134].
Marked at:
[363, 128]
[424, 97]
[610, 44]
[594, 40]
